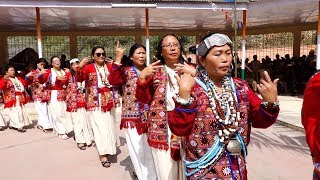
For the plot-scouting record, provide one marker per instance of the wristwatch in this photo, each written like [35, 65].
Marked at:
[266, 104]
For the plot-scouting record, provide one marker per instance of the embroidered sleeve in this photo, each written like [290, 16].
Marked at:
[144, 91]
[260, 117]
[43, 77]
[82, 75]
[181, 119]
[311, 116]
[116, 77]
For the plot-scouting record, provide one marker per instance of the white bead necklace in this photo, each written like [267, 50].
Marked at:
[224, 106]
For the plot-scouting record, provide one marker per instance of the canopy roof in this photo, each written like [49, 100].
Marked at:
[191, 15]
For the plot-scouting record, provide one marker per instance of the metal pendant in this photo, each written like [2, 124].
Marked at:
[234, 147]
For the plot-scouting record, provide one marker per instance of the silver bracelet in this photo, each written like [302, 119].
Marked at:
[266, 104]
[182, 101]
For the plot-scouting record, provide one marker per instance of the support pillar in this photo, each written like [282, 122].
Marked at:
[296, 43]
[4, 56]
[73, 46]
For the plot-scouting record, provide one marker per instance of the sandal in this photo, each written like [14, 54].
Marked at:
[39, 127]
[106, 163]
[21, 130]
[81, 146]
[47, 130]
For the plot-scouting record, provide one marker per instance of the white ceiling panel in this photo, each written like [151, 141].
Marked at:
[61, 16]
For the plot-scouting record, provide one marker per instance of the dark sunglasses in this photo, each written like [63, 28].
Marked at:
[101, 54]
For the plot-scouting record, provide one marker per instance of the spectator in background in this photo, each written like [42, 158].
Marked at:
[192, 57]
[63, 61]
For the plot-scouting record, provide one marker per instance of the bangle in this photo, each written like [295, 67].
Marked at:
[182, 101]
[266, 104]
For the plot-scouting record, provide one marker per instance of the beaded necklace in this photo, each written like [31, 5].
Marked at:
[16, 83]
[224, 106]
[106, 74]
[59, 74]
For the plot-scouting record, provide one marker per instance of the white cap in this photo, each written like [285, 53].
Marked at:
[74, 60]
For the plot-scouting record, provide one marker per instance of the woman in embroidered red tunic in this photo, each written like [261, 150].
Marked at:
[38, 96]
[76, 104]
[55, 80]
[156, 86]
[99, 97]
[133, 113]
[214, 116]
[15, 97]
[311, 120]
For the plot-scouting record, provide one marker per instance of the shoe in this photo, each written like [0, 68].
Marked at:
[63, 136]
[106, 163]
[2, 128]
[81, 146]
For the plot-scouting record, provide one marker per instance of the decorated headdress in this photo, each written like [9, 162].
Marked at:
[213, 40]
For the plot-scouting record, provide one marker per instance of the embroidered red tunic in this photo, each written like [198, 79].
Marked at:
[153, 92]
[9, 93]
[90, 76]
[75, 97]
[311, 116]
[132, 111]
[59, 85]
[201, 126]
[37, 87]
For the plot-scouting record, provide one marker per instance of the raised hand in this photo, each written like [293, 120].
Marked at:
[43, 71]
[30, 74]
[119, 52]
[66, 70]
[267, 88]
[185, 68]
[150, 70]
[84, 62]
[40, 66]
[186, 83]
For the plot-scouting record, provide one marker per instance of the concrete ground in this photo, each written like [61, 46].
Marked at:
[278, 152]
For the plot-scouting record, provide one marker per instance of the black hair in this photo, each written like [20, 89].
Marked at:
[45, 61]
[8, 66]
[95, 48]
[159, 49]
[53, 58]
[126, 61]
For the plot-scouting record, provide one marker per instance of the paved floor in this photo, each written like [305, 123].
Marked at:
[278, 152]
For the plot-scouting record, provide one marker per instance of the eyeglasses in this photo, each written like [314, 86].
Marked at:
[101, 54]
[175, 45]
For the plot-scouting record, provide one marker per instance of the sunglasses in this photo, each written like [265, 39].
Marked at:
[101, 54]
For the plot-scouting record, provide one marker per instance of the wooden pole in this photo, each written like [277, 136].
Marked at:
[39, 36]
[147, 37]
[244, 37]
[235, 23]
